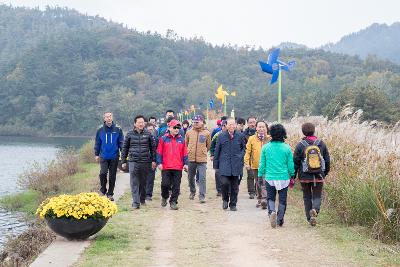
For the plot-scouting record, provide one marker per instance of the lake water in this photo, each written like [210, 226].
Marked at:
[16, 155]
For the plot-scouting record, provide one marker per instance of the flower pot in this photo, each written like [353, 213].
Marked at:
[76, 229]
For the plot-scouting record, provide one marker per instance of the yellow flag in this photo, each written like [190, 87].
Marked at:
[220, 95]
[233, 93]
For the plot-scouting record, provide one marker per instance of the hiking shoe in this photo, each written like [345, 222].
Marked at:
[219, 194]
[272, 219]
[174, 206]
[163, 202]
[143, 203]
[135, 207]
[110, 197]
[280, 223]
[224, 204]
[263, 204]
[202, 200]
[233, 208]
[258, 204]
[251, 196]
[191, 196]
[149, 198]
[313, 217]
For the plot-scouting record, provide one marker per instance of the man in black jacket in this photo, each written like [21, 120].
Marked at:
[140, 146]
[228, 160]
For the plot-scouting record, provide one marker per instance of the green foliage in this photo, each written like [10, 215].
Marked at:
[60, 70]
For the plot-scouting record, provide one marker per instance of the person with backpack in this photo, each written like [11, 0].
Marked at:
[172, 157]
[251, 161]
[277, 168]
[312, 164]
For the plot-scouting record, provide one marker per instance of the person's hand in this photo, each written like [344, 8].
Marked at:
[185, 168]
[123, 166]
[160, 167]
[97, 158]
[212, 158]
[292, 182]
[260, 180]
[153, 165]
[247, 167]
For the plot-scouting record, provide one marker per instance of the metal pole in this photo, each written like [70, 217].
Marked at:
[279, 95]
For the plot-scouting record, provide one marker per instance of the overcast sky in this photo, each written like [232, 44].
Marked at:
[246, 22]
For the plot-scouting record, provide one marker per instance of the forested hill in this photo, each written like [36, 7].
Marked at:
[381, 40]
[59, 70]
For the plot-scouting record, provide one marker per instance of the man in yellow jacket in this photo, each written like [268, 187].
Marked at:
[252, 158]
[198, 141]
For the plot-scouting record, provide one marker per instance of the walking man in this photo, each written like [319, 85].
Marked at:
[251, 177]
[212, 150]
[171, 159]
[139, 145]
[251, 161]
[228, 160]
[198, 141]
[108, 143]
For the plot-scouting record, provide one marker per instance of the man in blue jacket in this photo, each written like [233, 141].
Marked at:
[228, 160]
[108, 143]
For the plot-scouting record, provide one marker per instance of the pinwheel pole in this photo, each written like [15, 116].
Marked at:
[279, 95]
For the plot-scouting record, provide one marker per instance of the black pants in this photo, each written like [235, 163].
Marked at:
[271, 197]
[251, 182]
[108, 166]
[150, 183]
[311, 197]
[230, 189]
[217, 181]
[171, 179]
[139, 171]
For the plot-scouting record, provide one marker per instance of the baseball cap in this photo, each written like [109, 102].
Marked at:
[174, 123]
[218, 122]
[198, 118]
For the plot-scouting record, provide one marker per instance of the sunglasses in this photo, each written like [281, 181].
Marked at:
[177, 127]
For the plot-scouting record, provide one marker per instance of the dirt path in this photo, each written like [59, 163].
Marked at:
[205, 235]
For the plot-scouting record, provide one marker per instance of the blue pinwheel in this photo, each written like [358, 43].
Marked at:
[274, 67]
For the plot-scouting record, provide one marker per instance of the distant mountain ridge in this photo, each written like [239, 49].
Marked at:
[381, 40]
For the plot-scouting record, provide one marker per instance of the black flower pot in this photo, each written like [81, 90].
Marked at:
[76, 229]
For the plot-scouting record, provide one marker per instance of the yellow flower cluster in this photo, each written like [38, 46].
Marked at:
[81, 206]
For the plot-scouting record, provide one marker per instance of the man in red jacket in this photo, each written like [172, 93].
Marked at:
[172, 157]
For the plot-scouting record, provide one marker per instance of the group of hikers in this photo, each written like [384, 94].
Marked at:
[174, 147]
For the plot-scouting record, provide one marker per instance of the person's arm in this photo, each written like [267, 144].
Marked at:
[97, 143]
[262, 162]
[120, 140]
[159, 156]
[290, 164]
[185, 156]
[297, 159]
[208, 141]
[125, 148]
[327, 159]
[217, 153]
[247, 154]
[152, 142]
[187, 138]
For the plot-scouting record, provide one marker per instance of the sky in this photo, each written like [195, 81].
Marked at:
[256, 23]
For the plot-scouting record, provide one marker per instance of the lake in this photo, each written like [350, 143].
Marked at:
[18, 154]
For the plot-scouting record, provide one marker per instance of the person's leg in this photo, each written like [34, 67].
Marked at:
[234, 184]
[150, 184]
[271, 197]
[176, 177]
[218, 182]
[113, 166]
[316, 196]
[103, 175]
[165, 183]
[144, 173]
[133, 170]
[282, 205]
[192, 170]
[258, 187]
[201, 170]
[250, 183]
[225, 188]
[307, 198]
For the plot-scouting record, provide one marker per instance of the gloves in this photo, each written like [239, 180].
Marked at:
[291, 183]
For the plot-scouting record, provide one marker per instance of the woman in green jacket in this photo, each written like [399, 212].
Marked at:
[277, 168]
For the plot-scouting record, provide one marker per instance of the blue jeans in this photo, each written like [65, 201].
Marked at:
[271, 197]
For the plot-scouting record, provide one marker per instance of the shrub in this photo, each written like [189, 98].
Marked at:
[86, 152]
